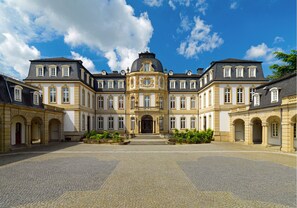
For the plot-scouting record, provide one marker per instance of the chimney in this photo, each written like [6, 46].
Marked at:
[199, 71]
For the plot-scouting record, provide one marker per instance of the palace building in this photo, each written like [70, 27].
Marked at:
[147, 98]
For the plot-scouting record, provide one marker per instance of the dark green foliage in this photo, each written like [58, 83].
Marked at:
[193, 136]
[288, 67]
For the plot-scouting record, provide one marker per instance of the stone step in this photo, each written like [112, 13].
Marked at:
[146, 142]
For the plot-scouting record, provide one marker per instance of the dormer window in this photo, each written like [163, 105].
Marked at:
[210, 75]
[172, 84]
[274, 94]
[192, 84]
[82, 74]
[53, 71]
[92, 82]
[256, 99]
[100, 84]
[88, 78]
[120, 84]
[201, 83]
[146, 67]
[65, 71]
[182, 84]
[252, 71]
[36, 98]
[205, 79]
[18, 93]
[227, 71]
[110, 84]
[39, 71]
[239, 71]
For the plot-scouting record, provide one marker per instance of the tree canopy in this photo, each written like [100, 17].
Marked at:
[288, 67]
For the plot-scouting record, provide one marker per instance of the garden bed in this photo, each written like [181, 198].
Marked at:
[191, 137]
[94, 137]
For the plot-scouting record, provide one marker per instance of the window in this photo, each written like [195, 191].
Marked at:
[256, 99]
[252, 92]
[193, 122]
[36, 98]
[89, 100]
[39, 71]
[193, 84]
[132, 102]
[239, 71]
[210, 75]
[110, 122]
[147, 81]
[53, 94]
[252, 72]
[193, 102]
[110, 84]
[120, 84]
[100, 122]
[146, 67]
[82, 74]
[100, 102]
[121, 102]
[182, 103]
[172, 102]
[132, 82]
[239, 95]
[83, 97]
[133, 123]
[161, 104]
[110, 102]
[204, 100]
[209, 122]
[172, 84]
[53, 71]
[200, 102]
[274, 129]
[182, 122]
[227, 97]
[83, 122]
[92, 82]
[147, 101]
[88, 79]
[100, 84]
[161, 82]
[227, 71]
[121, 122]
[172, 123]
[209, 98]
[205, 79]
[161, 123]
[274, 95]
[65, 94]
[201, 83]
[65, 71]
[182, 84]
[18, 93]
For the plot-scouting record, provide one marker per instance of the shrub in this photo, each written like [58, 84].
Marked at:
[193, 136]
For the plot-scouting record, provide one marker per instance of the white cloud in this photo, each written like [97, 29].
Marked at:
[185, 24]
[87, 23]
[278, 39]
[202, 6]
[88, 63]
[262, 51]
[153, 3]
[172, 3]
[234, 5]
[199, 40]
[15, 55]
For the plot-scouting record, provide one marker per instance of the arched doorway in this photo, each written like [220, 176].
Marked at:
[239, 130]
[294, 129]
[36, 130]
[18, 130]
[54, 130]
[147, 124]
[257, 131]
[274, 130]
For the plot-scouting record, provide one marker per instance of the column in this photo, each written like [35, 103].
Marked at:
[287, 137]
[232, 130]
[264, 134]
[154, 122]
[28, 135]
[250, 134]
[139, 126]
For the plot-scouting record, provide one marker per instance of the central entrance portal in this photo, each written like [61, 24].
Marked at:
[147, 124]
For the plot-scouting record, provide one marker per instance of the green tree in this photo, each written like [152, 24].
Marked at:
[288, 67]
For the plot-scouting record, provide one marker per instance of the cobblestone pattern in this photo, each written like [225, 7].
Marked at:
[262, 181]
[29, 182]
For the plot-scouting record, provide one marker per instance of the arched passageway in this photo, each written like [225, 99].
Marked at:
[257, 130]
[294, 131]
[274, 130]
[239, 130]
[147, 124]
[18, 130]
[36, 130]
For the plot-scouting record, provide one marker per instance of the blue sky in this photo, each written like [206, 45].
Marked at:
[184, 34]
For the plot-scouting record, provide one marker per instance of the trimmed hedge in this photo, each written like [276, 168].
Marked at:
[192, 137]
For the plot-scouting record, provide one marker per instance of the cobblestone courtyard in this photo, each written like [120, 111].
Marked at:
[207, 175]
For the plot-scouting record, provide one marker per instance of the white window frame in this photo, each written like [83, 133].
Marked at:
[100, 122]
[193, 102]
[172, 84]
[146, 101]
[55, 95]
[182, 102]
[256, 99]
[132, 123]
[121, 102]
[39, 71]
[182, 84]
[172, 102]
[183, 123]
[172, 122]
[239, 71]
[121, 84]
[132, 104]
[121, 122]
[252, 71]
[227, 71]
[161, 123]
[100, 102]
[210, 75]
[110, 84]
[274, 94]
[65, 96]
[146, 67]
[100, 84]
[209, 98]
[51, 70]
[110, 104]
[227, 95]
[82, 74]
[36, 98]
[252, 92]
[65, 71]
[88, 78]
[110, 122]
[18, 93]
[239, 95]
[274, 129]
[161, 103]
[193, 123]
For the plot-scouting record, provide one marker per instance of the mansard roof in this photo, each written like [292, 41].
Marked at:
[234, 60]
[55, 59]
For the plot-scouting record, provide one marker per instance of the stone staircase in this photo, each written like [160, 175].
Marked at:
[148, 139]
